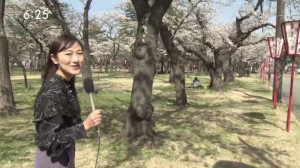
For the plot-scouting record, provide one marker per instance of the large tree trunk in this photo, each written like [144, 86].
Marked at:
[171, 76]
[7, 105]
[280, 62]
[179, 81]
[86, 68]
[228, 72]
[140, 110]
[242, 69]
[215, 79]
[178, 71]
[228, 75]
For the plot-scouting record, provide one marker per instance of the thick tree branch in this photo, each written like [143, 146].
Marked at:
[31, 35]
[253, 43]
[158, 10]
[240, 20]
[248, 33]
[54, 7]
[259, 3]
[192, 51]
[2, 8]
[141, 8]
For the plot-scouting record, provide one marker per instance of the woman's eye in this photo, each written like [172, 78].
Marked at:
[80, 53]
[69, 54]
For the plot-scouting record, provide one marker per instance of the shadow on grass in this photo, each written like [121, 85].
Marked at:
[197, 129]
[253, 96]
[158, 99]
[261, 155]
[184, 120]
[231, 164]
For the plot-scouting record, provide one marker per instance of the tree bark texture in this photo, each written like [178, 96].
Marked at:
[228, 75]
[86, 66]
[178, 71]
[280, 62]
[242, 69]
[228, 72]
[7, 105]
[140, 110]
[171, 76]
[215, 78]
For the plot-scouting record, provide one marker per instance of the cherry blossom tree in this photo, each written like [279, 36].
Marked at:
[149, 16]
[222, 41]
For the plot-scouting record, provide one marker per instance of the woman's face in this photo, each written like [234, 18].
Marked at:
[69, 61]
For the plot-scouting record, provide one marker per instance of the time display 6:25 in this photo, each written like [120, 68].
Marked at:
[37, 14]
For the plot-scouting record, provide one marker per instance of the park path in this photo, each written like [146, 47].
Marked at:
[21, 77]
[286, 94]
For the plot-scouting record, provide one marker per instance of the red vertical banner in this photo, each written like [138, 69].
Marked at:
[276, 47]
[290, 31]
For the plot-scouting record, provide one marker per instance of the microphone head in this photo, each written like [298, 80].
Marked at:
[88, 85]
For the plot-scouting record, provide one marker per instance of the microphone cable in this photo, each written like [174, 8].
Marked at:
[89, 88]
[98, 131]
[98, 150]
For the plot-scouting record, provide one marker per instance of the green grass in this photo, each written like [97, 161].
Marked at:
[236, 124]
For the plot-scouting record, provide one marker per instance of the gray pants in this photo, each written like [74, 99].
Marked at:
[66, 160]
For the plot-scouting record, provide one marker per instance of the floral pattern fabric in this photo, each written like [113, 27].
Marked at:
[57, 116]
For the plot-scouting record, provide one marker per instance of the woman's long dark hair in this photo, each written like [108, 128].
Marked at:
[61, 43]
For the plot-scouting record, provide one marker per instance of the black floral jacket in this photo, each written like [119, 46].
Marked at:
[57, 116]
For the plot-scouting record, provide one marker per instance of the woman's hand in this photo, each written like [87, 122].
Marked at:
[92, 120]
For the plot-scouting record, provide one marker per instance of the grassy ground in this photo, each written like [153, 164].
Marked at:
[234, 127]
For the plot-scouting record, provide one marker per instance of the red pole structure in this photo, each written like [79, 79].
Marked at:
[275, 80]
[263, 72]
[291, 96]
[269, 74]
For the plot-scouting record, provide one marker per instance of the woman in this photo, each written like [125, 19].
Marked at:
[56, 111]
[196, 83]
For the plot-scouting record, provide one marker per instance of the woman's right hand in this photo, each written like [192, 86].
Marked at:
[92, 120]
